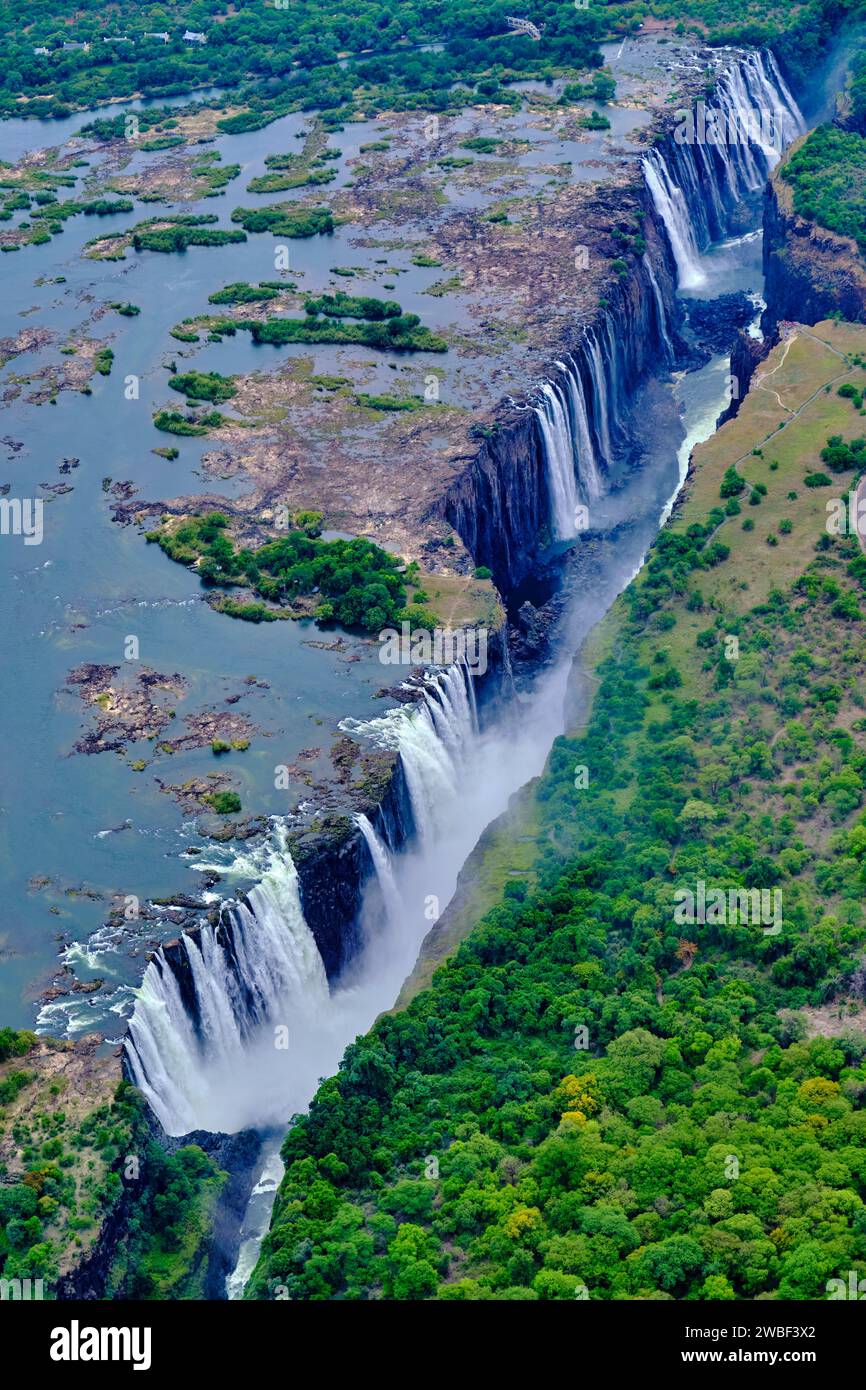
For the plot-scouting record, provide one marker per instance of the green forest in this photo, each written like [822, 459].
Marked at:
[359, 584]
[591, 1100]
[73, 1173]
[286, 56]
[827, 175]
[596, 1091]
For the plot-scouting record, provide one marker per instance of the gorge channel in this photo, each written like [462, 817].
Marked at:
[207, 1057]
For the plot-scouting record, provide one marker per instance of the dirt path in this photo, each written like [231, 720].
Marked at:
[795, 414]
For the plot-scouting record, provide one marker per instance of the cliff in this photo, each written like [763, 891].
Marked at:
[746, 353]
[810, 273]
[500, 503]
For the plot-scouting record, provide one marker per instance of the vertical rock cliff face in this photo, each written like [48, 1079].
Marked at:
[500, 506]
[331, 885]
[695, 192]
[707, 174]
[810, 272]
[537, 461]
[745, 356]
[541, 459]
[504, 504]
[208, 1264]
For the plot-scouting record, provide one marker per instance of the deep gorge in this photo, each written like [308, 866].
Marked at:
[512, 499]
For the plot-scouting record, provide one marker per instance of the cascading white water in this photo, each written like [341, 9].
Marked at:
[494, 763]
[444, 765]
[758, 104]
[672, 208]
[552, 415]
[439, 756]
[470, 687]
[600, 395]
[720, 157]
[660, 308]
[569, 453]
[206, 1056]
[381, 858]
[259, 968]
[432, 736]
[790, 119]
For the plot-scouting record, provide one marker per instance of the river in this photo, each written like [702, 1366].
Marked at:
[78, 833]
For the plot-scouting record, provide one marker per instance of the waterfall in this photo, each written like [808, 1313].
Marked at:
[470, 686]
[569, 452]
[583, 452]
[552, 416]
[672, 208]
[432, 737]
[600, 394]
[382, 865]
[202, 1044]
[257, 969]
[661, 316]
[759, 106]
[721, 154]
[789, 116]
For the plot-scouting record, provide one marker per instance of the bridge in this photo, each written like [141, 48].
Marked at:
[523, 26]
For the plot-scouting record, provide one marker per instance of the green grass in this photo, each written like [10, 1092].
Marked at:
[286, 220]
[354, 583]
[173, 422]
[242, 293]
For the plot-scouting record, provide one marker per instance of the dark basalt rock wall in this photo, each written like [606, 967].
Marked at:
[334, 865]
[332, 874]
[810, 273]
[500, 505]
[332, 884]
[746, 353]
[238, 1156]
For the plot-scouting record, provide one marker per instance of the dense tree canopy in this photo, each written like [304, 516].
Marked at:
[591, 1099]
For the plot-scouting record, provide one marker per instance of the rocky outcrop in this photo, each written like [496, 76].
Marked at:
[713, 325]
[500, 505]
[332, 878]
[746, 353]
[810, 273]
[238, 1156]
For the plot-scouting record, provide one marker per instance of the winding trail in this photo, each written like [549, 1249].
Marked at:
[819, 391]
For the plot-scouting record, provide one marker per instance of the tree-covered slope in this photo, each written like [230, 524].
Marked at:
[827, 175]
[595, 1098]
[90, 1204]
[288, 54]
